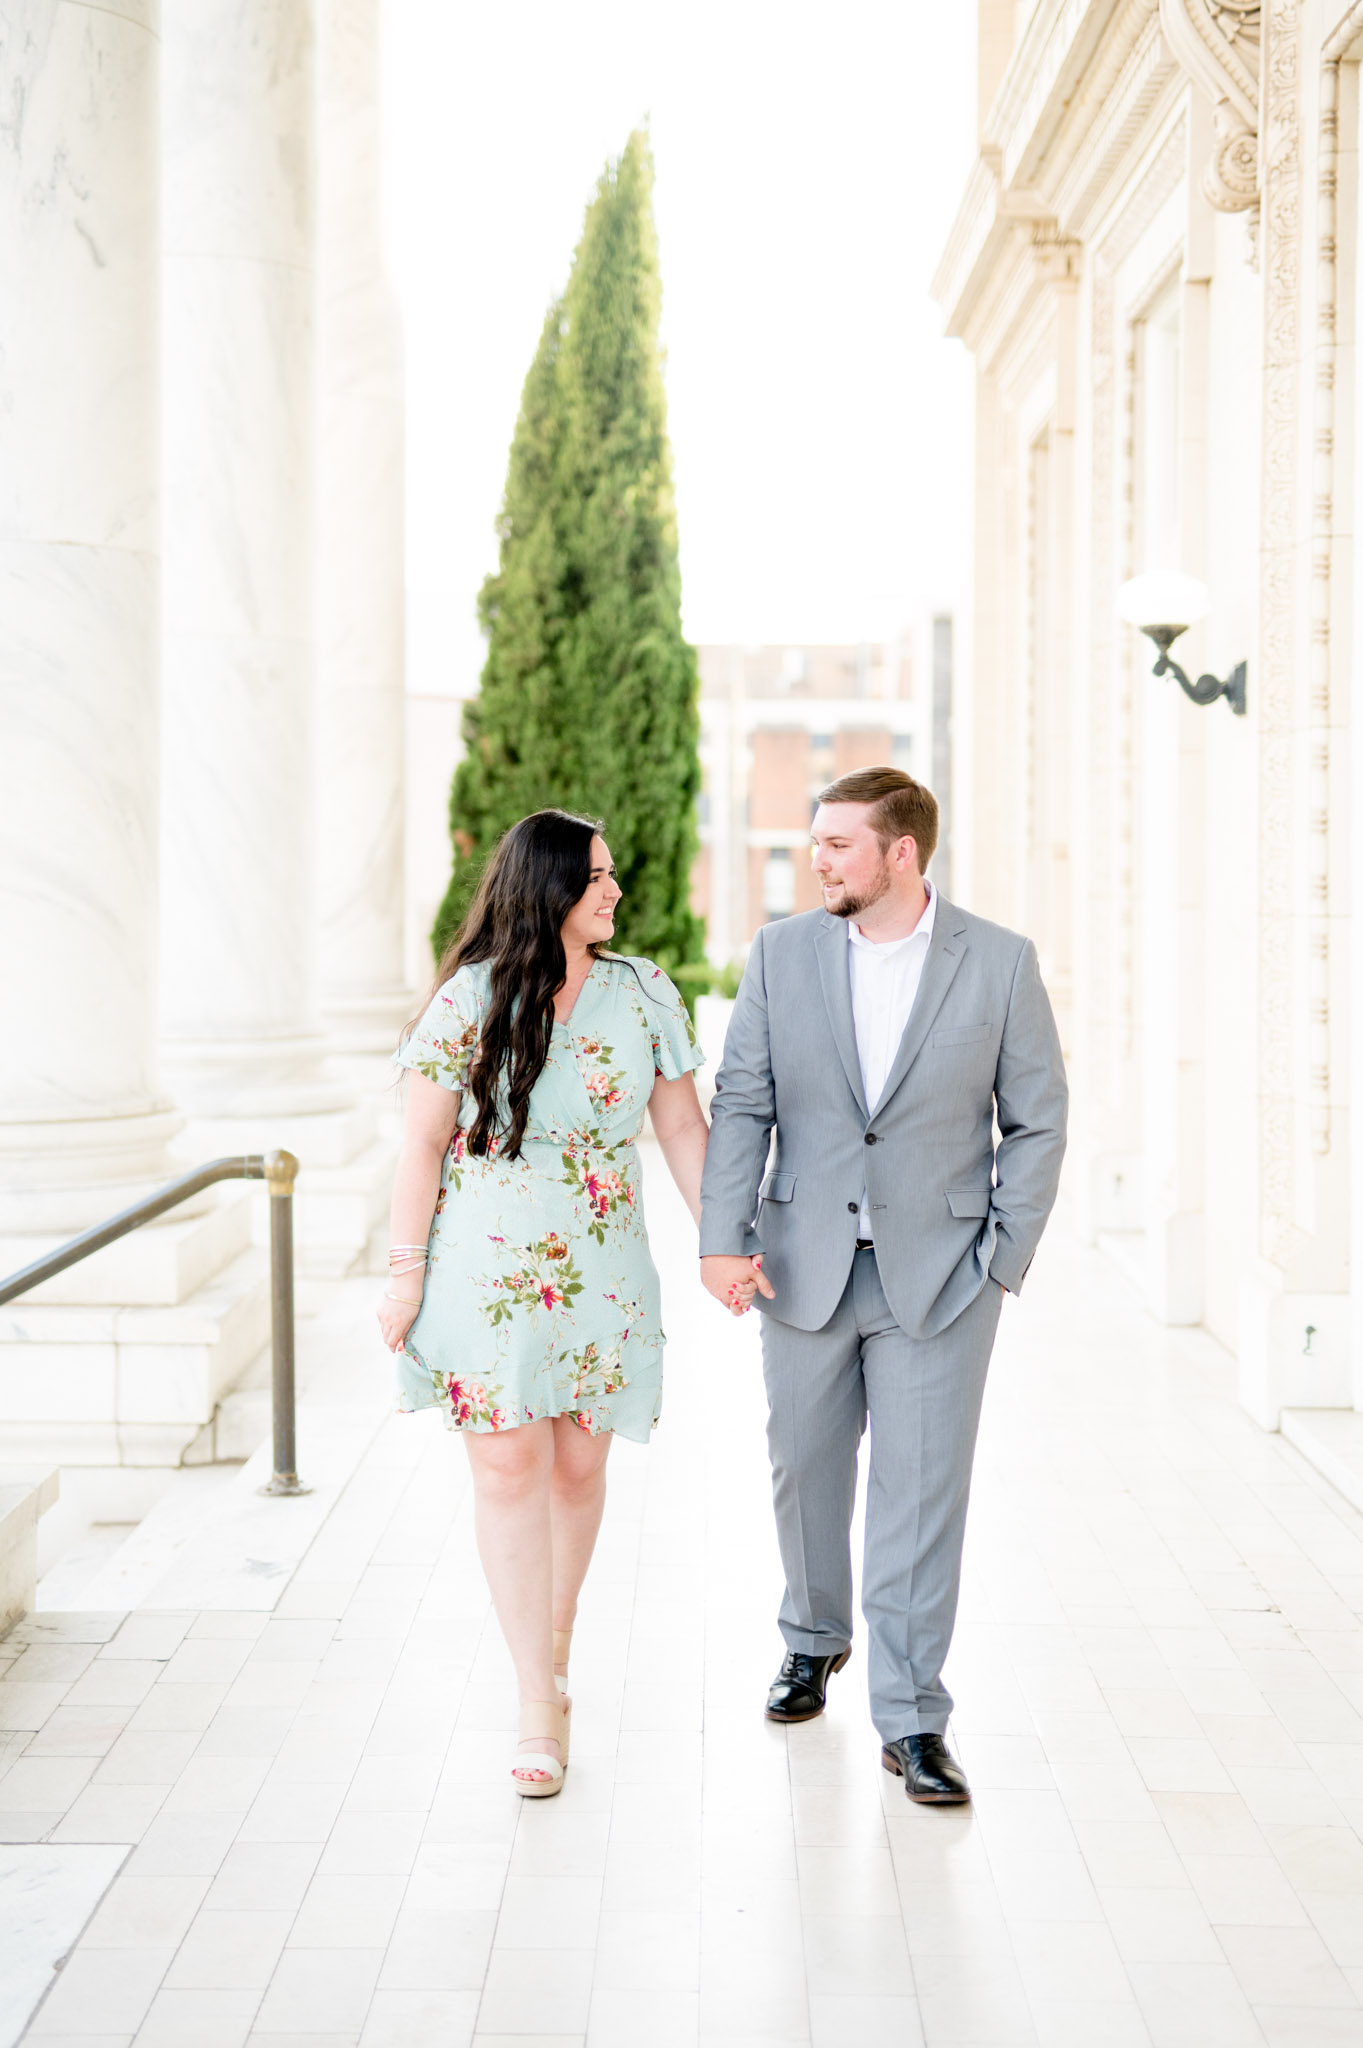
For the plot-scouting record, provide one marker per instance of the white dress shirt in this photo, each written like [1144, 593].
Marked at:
[885, 982]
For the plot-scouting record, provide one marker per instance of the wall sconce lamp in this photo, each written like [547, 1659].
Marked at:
[1164, 604]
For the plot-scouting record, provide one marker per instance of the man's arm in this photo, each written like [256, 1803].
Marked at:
[1032, 1096]
[741, 1119]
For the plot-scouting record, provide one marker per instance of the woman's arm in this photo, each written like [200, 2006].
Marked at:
[679, 1126]
[429, 1118]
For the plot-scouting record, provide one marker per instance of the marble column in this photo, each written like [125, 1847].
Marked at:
[361, 699]
[241, 1024]
[82, 1117]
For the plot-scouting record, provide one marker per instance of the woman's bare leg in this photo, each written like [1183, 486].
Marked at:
[512, 1475]
[576, 1502]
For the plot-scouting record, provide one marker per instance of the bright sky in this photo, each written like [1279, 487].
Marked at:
[809, 162]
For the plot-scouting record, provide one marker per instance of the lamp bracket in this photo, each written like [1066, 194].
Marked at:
[1207, 688]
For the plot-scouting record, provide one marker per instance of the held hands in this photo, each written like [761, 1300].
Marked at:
[734, 1281]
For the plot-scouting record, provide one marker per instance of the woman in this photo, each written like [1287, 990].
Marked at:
[523, 1298]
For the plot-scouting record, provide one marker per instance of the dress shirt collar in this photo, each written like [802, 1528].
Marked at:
[887, 948]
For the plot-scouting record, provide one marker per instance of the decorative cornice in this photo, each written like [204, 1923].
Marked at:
[978, 252]
[1132, 71]
[1054, 94]
[1069, 110]
[972, 233]
[1039, 85]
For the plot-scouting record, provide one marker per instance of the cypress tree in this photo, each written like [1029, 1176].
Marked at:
[588, 694]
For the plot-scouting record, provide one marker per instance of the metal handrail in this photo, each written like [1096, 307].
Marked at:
[279, 1171]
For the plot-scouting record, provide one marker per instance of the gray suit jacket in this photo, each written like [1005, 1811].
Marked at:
[948, 1210]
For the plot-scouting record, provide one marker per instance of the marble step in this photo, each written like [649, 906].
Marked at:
[339, 1215]
[131, 1385]
[343, 1189]
[241, 1421]
[159, 1264]
[340, 1207]
[213, 1541]
[26, 1492]
[329, 1138]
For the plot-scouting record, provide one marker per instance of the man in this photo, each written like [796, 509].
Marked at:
[879, 1038]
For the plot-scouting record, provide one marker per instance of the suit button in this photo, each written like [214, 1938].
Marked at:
[852, 1208]
[870, 1137]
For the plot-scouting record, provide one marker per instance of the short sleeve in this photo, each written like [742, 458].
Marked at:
[675, 1049]
[441, 1046]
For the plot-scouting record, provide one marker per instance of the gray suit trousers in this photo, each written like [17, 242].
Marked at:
[922, 1397]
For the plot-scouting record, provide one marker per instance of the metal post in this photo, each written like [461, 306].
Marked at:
[281, 1170]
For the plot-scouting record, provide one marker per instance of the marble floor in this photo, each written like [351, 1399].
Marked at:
[298, 1819]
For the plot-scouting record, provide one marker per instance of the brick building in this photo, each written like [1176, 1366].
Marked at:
[777, 724]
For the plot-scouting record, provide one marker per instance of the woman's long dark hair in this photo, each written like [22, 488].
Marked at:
[539, 870]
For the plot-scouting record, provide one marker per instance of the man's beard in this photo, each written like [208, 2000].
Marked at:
[852, 906]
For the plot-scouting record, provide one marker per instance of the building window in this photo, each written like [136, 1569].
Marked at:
[901, 754]
[778, 883]
[821, 768]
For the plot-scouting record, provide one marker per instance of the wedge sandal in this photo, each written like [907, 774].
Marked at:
[542, 1720]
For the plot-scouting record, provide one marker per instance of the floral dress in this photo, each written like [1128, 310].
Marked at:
[541, 1297]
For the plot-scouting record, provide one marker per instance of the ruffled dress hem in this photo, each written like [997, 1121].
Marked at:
[484, 1421]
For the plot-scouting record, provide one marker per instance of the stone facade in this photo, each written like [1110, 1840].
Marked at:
[1156, 269]
[201, 782]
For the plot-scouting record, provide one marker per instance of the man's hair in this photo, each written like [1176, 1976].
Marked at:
[901, 806]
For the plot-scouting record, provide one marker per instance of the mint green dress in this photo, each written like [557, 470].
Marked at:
[540, 1296]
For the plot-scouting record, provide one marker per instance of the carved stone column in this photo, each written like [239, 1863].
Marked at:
[361, 713]
[82, 1116]
[242, 1027]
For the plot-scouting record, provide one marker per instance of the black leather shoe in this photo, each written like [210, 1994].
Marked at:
[930, 1772]
[797, 1691]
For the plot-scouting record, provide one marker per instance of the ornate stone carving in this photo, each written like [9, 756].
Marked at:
[1281, 155]
[1058, 257]
[1217, 43]
[1317, 715]
[1231, 179]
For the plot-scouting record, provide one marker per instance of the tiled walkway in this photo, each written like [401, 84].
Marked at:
[1160, 1677]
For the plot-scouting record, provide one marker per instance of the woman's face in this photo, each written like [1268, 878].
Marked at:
[591, 920]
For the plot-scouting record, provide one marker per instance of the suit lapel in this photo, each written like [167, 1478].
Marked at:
[946, 950]
[836, 975]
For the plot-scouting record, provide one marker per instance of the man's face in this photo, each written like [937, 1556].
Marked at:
[851, 867]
